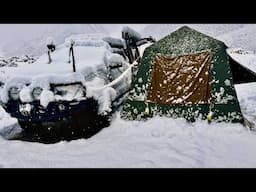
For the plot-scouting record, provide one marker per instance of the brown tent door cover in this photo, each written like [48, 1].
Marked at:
[180, 80]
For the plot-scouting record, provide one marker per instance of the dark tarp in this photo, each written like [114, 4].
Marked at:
[180, 80]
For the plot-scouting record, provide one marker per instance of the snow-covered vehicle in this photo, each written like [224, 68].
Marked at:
[54, 101]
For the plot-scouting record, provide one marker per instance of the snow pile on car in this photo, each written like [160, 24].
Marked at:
[92, 56]
[104, 95]
[95, 40]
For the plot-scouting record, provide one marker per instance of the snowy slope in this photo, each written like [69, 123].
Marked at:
[244, 37]
[245, 57]
[33, 43]
[233, 35]
[160, 30]
[20, 39]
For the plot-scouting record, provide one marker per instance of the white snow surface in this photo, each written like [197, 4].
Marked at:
[159, 142]
[244, 57]
[9, 126]
[85, 57]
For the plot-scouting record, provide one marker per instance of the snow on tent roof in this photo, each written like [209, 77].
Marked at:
[185, 41]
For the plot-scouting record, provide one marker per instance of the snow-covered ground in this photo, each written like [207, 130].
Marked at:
[157, 142]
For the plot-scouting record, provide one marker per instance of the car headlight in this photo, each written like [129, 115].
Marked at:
[14, 93]
[37, 92]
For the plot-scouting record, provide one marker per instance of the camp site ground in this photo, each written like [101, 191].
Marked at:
[158, 142]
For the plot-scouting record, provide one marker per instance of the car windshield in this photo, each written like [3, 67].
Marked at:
[69, 92]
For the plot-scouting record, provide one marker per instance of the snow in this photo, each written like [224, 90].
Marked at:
[46, 97]
[159, 142]
[246, 58]
[93, 39]
[105, 99]
[247, 98]
[132, 33]
[25, 95]
[9, 126]
[19, 39]
[114, 42]
[104, 96]
[85, 57]
[160, 30]
[49, 41]
[18, 81]
[91, 54]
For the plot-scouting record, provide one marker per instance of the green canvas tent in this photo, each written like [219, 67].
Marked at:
[186, 74]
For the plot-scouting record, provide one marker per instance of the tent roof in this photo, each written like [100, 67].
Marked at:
[185, 41]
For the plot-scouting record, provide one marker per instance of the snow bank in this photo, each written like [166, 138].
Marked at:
[160, 142]
[9, 127]
[157, 143]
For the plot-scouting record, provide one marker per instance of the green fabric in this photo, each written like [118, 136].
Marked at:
[185, 41]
